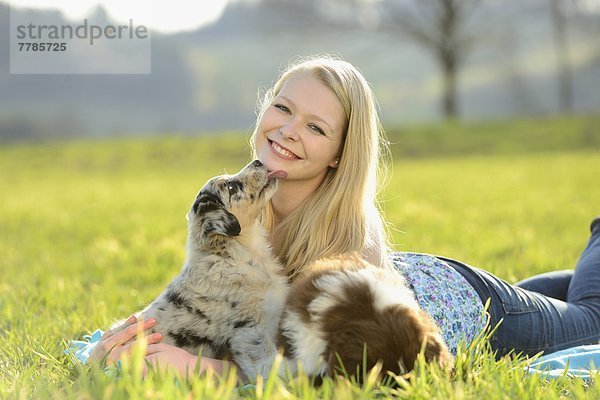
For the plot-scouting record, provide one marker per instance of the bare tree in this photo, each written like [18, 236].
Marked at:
[561, 44]
[442, 27]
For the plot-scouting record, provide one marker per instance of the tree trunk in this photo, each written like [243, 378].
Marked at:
[450, 85]
[561, 44]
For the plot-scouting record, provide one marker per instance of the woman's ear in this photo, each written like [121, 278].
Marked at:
[335, 163]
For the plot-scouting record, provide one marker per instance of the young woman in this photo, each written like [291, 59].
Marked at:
[319, 123]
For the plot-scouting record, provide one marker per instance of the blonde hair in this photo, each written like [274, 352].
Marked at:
[341, 216]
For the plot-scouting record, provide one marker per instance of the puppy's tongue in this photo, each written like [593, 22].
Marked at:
[279, 174]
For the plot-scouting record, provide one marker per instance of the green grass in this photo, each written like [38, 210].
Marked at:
[93, 230]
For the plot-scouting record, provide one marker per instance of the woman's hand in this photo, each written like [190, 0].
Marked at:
[119, 341]
[163, 355]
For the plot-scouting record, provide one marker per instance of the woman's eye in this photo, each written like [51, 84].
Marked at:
[316, 129]
[282, 108]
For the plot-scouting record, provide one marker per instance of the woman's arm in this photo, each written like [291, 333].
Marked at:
[372, 254]
[375, 250]
[167, 356]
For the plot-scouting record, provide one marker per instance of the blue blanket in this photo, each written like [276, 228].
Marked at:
[83, 348]
[580, 362]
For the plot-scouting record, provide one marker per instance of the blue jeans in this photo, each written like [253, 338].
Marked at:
[548, 312]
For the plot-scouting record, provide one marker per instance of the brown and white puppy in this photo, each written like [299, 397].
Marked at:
[227, 299]
[343, 304]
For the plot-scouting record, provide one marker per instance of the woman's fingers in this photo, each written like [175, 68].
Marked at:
[121, 338]
[130, 321]
[130, 332]
[128, 347]
[112, 346]
[155, 347]
[152, 341]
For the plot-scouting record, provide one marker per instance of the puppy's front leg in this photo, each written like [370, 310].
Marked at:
[253, 351]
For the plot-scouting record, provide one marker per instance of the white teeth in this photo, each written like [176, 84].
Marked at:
[282, 151]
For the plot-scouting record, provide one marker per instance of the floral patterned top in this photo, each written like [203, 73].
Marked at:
[445, 295]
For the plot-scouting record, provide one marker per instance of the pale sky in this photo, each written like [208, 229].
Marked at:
[163, 15]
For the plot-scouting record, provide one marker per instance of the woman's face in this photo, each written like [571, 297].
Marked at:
[301, 131]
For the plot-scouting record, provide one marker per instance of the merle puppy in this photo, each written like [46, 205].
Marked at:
[227, 299]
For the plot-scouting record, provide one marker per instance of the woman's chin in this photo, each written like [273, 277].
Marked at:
[273, 164]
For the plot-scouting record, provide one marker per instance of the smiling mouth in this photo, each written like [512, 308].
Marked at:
[282, 152]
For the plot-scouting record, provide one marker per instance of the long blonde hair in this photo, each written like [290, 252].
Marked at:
[341, 216]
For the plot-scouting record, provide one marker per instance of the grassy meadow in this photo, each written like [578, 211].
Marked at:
[92, 230]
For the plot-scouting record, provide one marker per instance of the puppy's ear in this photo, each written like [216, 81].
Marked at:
[225, 224]
[437, 351]
[423, 334]
[213, 216]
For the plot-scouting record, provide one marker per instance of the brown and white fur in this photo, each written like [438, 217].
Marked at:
[227, 299]
[343, 304]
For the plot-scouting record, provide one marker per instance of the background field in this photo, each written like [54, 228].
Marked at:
[92, 230]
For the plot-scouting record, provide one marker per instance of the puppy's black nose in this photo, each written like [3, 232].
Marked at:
[257, 164]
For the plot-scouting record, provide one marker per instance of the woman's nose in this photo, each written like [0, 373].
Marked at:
[289, 130]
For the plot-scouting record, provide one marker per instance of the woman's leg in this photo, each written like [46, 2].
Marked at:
[552, 284]
[585, 285]
[532, 322]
